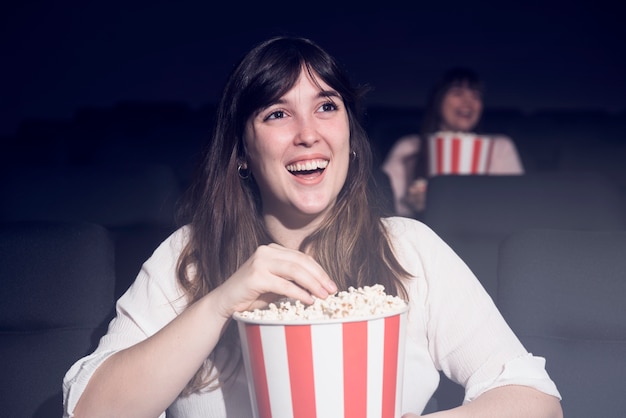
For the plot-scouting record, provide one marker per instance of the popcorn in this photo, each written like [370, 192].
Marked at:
[362, 302]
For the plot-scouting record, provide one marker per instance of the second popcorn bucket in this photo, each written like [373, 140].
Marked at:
[349, 367]
[459, 153]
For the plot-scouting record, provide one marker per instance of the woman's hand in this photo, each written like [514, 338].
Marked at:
[415, 196]
[273, 271]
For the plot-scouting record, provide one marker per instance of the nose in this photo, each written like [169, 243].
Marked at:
[306, 133]
[467, 97]
[470, 96]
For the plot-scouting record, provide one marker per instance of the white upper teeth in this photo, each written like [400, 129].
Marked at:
[308, 166]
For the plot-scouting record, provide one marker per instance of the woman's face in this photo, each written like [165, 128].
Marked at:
[298, 150]
[461, 109]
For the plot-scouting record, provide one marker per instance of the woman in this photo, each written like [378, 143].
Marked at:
[454, 105]
[280, 207]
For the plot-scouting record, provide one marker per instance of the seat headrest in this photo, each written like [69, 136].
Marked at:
[55, 275]
[565, 283]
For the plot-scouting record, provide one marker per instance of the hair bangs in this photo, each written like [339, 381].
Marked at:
[463, 77]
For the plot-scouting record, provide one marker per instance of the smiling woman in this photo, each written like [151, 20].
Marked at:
[280, 208]
[454, 108]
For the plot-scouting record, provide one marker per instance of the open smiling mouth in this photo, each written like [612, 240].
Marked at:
[465, 113]
[307, 168]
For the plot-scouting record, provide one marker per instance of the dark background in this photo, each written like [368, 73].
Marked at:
[104, 106]
[58, 57]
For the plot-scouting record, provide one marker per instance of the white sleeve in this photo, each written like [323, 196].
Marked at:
[399, 170]
[468, 338]
[505, 159]
[153, 300]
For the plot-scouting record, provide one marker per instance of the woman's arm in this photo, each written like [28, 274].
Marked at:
[468, 338]
[399, 165]
[511, 401]
[144, 379]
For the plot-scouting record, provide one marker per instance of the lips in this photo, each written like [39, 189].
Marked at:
[465, 113]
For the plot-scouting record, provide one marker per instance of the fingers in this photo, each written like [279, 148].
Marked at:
[273, 272]
[296, 268]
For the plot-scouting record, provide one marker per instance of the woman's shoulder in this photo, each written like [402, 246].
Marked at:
[409, 229]
[166, 254]
[174, 243]
[505, 156]
[500, 139]
[408, 140]
[157, 277]
[407, 144]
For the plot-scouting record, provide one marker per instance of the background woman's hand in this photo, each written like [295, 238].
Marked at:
[273, 271]
[416, 195]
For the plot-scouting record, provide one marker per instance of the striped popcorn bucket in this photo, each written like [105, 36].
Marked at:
[350, 368]
[459, 153]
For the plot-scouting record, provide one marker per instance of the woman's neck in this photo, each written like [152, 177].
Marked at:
[290, 234]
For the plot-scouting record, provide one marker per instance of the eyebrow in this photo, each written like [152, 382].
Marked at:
[328, 93]
[321, 94]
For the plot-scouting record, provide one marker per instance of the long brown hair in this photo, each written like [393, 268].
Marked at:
[224, 210]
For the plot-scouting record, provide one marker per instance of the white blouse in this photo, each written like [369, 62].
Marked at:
[453, 326]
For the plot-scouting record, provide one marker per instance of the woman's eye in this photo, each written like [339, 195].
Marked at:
[278, 114]
[456, 92]
[328, 107]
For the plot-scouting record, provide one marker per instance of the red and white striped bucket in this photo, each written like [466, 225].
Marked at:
[459, 153]
[351, 368]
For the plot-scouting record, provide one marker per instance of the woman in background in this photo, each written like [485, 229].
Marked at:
[455, 105]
